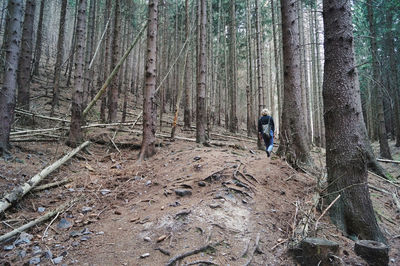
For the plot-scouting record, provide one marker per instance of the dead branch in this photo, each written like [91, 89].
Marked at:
[323, 213]
[163, 251]
[36, 221]
[388, 161]
[189, 253]
[20, 191]
[24, 112]
[51, 185]
[378, 189]
[382, 178]
[25, 132]
[279, 243]
[201, 262]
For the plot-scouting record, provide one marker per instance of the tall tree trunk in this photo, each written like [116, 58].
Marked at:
[107, 67]
[394, 78]
[149, 104]
[60, 53]
[233, 123]
[259, 68]
[251, 125]
[25, 60]
[201, 115]
[293, 143]
[38, 45]
[187, 84]
[383, 141]
[75, 131]
[320, 107]
[89, 75]
[345, 132]
[12, 39]
[277, 68]
[72, 50]
[113, 95]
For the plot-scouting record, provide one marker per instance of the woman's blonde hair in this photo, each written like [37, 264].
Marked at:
[265, 112]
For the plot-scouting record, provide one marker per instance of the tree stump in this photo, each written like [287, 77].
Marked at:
[316, 251]
[375, 253]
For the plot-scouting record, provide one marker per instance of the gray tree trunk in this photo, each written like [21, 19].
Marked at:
[149, 102]
[24, 65]
[293, 145]
[201, 115]
[346, 149]
[75, 131]
[60, 53]
[38, 45]
[187, 84]
[12, 39]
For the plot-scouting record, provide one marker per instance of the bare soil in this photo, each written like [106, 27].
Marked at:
[129, 209]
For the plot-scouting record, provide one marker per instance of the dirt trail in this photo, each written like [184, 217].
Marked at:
[237, 197]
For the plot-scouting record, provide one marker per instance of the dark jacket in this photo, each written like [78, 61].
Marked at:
[263, 121]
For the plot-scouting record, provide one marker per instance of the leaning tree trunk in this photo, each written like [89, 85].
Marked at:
[149, 102]
[60, 53]
[346, 149]
[38, 45]
[75, 134]
[12, 38]
[201, 76]
[24, 65]
[113, 92]
[293, 141]
[383, 141]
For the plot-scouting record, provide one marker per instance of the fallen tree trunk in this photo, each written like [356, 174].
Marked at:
[20, 191]
[24, 112]
[36, 221]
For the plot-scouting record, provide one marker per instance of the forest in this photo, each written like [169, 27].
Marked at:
[134, 132]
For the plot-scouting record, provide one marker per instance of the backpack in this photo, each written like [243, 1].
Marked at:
[267, 129]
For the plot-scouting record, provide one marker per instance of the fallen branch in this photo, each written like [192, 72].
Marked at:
[323, 213]
[20, 191]
[35, 222]
[24, 112]
[378, 189]
[279, 243]
[189, 253]
[388, 161]
[201, 262]
[35, 131]
[50, 185]
[388, 181]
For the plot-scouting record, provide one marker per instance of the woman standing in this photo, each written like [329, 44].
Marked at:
[266, 130]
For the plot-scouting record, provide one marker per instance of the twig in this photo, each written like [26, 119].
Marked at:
[47, 228]
[378, 189]
[200, 262]
[279, 243]
[189, 253]
[163, 251]
[323, 213]
[50, 185]
[388, 161]
[35, 222]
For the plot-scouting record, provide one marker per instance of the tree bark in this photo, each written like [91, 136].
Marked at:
[12, 39]
[75, 134]
[60, 53]
[25, 60]
[383, 141]
[38, 45]
[89, 74]
[201, 115]
[113, 95]
[259, 69]
[187, 112]
[293, 145]
[233, 123]
[251, 121]
[394, 78]
[149, 104]
[346, 148]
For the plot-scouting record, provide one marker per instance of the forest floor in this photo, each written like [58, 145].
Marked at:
[248, 208]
